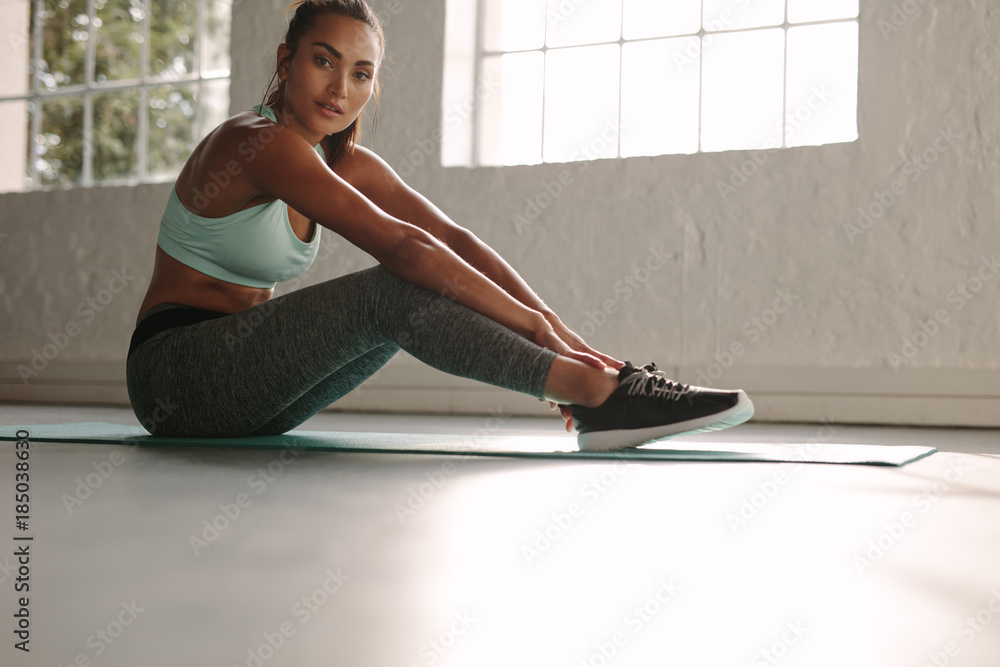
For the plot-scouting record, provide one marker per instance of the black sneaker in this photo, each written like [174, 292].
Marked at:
[648, 406]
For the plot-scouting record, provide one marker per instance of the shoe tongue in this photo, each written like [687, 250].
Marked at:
[626, 370]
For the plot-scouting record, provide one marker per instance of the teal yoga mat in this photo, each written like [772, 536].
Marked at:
[485, 445]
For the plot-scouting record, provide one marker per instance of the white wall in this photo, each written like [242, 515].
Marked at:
[855, 296]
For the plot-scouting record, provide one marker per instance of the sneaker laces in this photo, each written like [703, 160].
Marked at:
[650, 381]
[651, 367]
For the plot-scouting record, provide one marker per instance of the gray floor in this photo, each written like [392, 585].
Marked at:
[199, 556]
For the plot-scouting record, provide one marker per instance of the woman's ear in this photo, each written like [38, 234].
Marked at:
[283, 60]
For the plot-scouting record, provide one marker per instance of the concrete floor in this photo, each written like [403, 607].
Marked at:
[197, 556]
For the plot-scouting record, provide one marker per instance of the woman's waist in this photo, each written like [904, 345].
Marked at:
[223, 303]
[165, 316]
[176, 283]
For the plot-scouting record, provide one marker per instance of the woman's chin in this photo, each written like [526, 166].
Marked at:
[329, 127]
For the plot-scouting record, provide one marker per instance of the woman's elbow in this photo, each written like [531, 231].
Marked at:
[408, 252]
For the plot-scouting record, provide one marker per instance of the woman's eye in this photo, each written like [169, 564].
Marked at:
[322, 61]
[363, 76]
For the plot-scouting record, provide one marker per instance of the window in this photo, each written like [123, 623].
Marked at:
[531, 81]
[109, 92]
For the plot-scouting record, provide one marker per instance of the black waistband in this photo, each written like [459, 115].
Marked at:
[168, 319]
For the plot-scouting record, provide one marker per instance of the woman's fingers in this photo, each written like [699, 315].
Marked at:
[574, 341]
[608, 361]
[551, 339]
[567, 414]
[586, 358]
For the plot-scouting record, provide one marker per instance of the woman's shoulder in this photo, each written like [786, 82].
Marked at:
[247, 142]
[230, 154]
[244, 131]
[360, 164]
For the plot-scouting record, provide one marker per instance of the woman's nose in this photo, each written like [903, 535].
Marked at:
[338, 84]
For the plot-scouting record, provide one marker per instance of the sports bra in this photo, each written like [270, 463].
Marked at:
[255, 247]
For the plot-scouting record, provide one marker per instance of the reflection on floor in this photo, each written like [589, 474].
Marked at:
[195, 556]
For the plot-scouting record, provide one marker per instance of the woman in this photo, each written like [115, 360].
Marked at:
[214, 356]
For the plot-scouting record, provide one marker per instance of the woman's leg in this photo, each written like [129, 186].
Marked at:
[329, 390]
[270, 367]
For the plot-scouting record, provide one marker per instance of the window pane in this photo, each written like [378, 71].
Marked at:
[214, 105]
[64, 43]
[510, 109]
[59, 147]
[737, 14]
[573, 22]
[490, 139]
[172, 38]
[114, 135]
[742, 77]
[581, 103]
[13, 168]
[172, 128]
[659, 98]
[118, 27]
[822, 93]
[215, 37]
[656, 18]
[809, 10]
[522, 107]
[513, 25]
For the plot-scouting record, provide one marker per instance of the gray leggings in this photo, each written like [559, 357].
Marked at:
[267, 369]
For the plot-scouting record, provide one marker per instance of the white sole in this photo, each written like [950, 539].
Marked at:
[606, 441]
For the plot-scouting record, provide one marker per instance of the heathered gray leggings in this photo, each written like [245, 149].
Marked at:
[267, 369]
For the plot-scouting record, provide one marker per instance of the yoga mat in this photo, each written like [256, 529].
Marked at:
[484, 445]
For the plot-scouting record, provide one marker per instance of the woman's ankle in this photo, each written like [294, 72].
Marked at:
[575, 383]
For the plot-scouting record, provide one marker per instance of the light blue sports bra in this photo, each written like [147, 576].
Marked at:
[255, 247]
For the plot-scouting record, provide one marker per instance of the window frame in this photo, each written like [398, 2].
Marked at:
[37, 95]
[474, 157]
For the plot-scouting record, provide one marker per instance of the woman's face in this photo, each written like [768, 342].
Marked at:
[331, 77]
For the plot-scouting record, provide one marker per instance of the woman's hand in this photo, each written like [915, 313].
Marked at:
[546, 336]
[575, 342]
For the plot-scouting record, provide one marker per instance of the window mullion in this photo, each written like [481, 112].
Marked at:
[142, 138]
[199, 36]
[545, 67]
[784, 85]
[36, 118]
[37, 47]
[477, 72]
[88, 99]
[147, 19]
[142, 135]
[621, 67]
[701, 69]
[88, 138]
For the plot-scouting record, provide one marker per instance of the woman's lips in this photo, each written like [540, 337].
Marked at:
[331, 111]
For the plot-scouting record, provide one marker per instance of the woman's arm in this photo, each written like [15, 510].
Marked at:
[290, 169]
[377, 181]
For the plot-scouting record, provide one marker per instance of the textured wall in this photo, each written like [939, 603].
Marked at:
[723, 265]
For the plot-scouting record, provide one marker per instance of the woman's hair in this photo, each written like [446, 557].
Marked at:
[306, 12]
